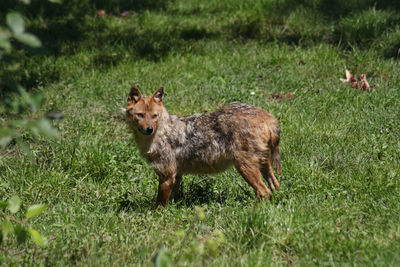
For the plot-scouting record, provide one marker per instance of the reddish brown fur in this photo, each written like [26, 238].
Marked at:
[238, 134]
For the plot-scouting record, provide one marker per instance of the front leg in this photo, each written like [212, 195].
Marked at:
[165, 184]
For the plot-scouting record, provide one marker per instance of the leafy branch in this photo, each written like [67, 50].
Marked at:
[21, 228]
[13, 121]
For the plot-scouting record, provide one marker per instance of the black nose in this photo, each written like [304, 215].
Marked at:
[149, 130]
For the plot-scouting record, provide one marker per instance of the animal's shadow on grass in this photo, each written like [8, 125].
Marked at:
[198, 193]
[204, 191]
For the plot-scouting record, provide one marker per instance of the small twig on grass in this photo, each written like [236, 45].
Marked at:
[18, 252]
[23, 250]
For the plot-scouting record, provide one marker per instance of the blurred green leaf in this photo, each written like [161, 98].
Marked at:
[6, 45]
[35, 210]
[200, 213]
[55, 1]
[19, 123]
[5, 140]
[46, 129]
[38, 238]
[14, 204]
[211, 247]
[15, 22]
[163, 258]
[219, 236]
[36, 100]
[26, 2]
[21, 233]
[26, 97]
[5, 40]
[6, 227]
[28, 39]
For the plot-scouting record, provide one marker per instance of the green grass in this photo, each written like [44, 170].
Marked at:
[339, 198]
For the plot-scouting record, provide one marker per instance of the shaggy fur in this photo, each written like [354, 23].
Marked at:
[238, 134]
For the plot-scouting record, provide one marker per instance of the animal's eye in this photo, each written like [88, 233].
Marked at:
[140, 115]
[155, 116]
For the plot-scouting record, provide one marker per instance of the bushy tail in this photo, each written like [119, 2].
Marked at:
[276, 158]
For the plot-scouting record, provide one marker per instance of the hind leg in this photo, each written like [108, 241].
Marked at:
[276, 157]
[177, 188]
[251, 173]
[268, 173]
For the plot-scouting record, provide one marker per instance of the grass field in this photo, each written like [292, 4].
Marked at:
[339, 201]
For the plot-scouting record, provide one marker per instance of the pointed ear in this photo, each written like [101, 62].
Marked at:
[135, 95]
[158, 95]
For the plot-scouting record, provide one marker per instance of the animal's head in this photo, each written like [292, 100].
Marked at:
[144, 113]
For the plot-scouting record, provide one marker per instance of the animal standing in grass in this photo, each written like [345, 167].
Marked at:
[238, 134]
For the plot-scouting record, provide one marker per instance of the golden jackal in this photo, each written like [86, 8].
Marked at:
[238, 134]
